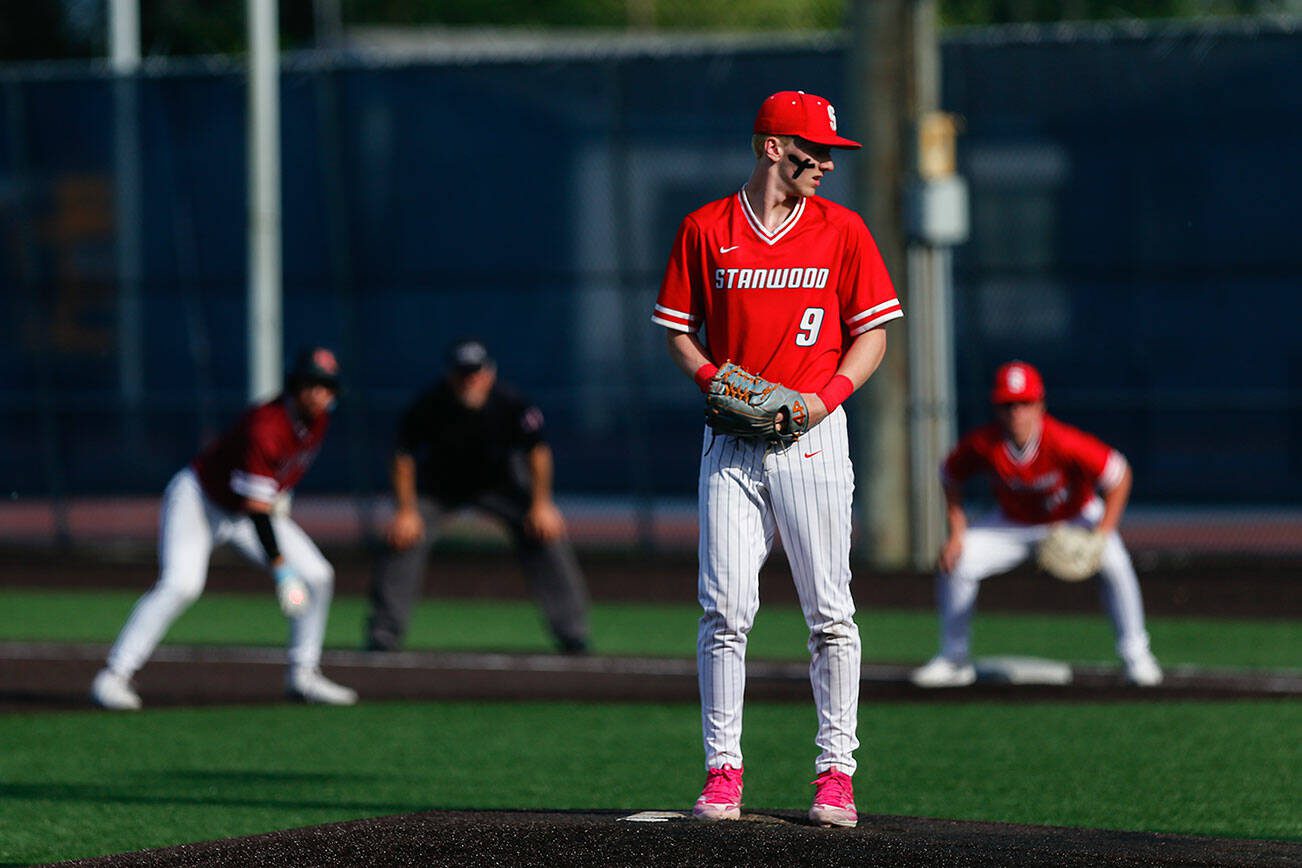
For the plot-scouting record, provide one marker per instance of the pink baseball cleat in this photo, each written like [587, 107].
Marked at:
[833, 800]
[721, 798]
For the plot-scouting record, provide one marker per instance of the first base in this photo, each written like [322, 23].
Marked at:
[1022, 670]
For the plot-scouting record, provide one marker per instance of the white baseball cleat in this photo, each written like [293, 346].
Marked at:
[1143, 671]
[943, 672]
[112, 691]
[309, 685]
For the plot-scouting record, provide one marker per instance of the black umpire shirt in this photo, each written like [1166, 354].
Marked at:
[460, 452]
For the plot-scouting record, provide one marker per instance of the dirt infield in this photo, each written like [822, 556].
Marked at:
[56, 676]
[778, 838]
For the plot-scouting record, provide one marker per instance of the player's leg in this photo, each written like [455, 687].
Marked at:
[736, 535]
[550, 568]
[1119, 588]
[396, 584]
[991, 545]
[185, 541]
[812, 487]
[306, 632]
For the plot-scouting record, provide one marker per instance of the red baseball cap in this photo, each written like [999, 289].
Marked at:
[796, 113]
[1017, 381]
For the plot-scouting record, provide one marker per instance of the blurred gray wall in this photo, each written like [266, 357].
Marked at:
[1137, 200]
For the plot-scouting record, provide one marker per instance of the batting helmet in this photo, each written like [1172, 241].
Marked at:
[314, 366]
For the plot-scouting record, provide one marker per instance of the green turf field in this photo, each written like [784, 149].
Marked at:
[85, 783]
[662, 630]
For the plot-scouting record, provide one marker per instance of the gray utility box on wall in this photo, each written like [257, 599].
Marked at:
[936, 211]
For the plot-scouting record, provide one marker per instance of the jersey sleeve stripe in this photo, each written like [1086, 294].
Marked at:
[678, 327]
[260, 488]
[674, 319]
[1114, 471]
[886, 305]
[676, 314]
[877, 321]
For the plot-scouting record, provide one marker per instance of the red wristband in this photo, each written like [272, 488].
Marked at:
[836, 391]
[704, 374]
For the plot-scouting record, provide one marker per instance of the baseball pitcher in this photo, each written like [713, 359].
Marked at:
[792, 294]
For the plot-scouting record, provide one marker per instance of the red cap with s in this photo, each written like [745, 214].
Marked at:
[1017, 381]
[796, 113]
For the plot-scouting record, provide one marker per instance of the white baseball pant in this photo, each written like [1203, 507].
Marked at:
[748, 492]
[190, 527]
[996, 544]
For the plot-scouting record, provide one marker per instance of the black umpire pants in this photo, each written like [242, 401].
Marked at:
[551, 570]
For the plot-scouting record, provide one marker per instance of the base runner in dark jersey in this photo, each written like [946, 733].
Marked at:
[233, 493]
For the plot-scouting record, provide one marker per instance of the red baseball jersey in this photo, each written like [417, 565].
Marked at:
[782, 304]
[266, 452]
[1051, 479]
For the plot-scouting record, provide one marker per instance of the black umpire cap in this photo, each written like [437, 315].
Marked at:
[312, 367]
[468, 355]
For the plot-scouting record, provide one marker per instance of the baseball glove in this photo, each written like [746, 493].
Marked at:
[1070, 552]
[742, 404]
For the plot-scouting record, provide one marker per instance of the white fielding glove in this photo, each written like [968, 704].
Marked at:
[291, 591]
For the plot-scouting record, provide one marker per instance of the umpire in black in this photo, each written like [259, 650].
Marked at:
[470, 441]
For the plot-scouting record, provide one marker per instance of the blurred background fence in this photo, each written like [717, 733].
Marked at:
[1136, 202]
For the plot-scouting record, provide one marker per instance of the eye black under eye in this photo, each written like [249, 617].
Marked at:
[801, 164]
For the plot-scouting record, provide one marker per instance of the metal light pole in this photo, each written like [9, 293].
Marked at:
[916, 208]
[880, 58]
[124, 61]
[936, 219]
[265, 329]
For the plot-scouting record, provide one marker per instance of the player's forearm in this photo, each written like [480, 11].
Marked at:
[863, 357]
[1114, 503]
[955, 516]
[260, 513]
[687, 351]
[540, 473]
[403, 477]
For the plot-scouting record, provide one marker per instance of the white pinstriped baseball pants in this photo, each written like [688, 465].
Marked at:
[995, 544]
[190, 526]
[749, 491]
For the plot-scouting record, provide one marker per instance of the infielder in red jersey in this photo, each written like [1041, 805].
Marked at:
[1042, 471]
[231, 493]
[791, 288]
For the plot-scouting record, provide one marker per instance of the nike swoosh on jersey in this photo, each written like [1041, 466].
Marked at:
[812, 454]
[729, 249]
